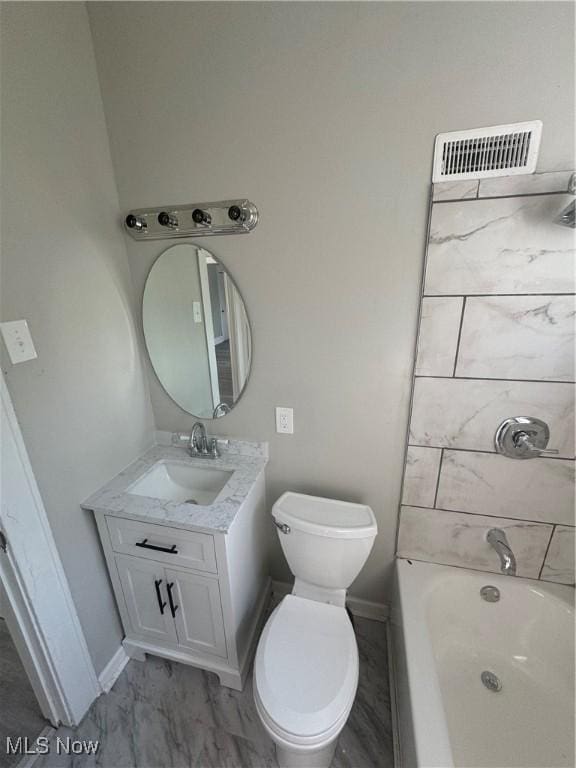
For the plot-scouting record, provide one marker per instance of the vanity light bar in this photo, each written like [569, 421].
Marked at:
[225, 217]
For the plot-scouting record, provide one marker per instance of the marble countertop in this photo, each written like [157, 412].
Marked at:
[245, 460]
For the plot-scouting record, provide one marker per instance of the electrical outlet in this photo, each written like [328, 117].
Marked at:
[197, 311]
[285, 421]
[18, 341]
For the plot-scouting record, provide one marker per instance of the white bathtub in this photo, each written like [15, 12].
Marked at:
[445, 636]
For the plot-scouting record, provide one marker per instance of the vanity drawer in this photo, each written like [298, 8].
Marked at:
[172, 546]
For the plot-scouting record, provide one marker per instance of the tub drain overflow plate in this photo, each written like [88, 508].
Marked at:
[490, 594]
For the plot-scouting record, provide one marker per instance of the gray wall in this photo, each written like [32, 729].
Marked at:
[324, 114]
[83, 404]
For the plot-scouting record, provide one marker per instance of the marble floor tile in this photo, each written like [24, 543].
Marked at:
[166, 715]
[366, 741]
[224, 750]
[20, 714]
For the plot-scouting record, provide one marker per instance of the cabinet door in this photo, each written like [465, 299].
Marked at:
[145, 592]
[195, 601]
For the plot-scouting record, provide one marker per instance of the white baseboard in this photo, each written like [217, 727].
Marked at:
[281, 588]
[113, 670]
[365, 609]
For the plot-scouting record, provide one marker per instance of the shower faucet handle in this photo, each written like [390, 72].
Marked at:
[523, 437]
[526, 440]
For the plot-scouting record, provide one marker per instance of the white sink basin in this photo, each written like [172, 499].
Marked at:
[175, 481]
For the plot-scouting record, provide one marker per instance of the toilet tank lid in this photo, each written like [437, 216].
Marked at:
[325, 517]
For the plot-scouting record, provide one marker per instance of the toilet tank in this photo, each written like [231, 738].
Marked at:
[325, 541]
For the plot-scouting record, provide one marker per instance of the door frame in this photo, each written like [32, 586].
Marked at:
[209, 327]
[41, 615]
[240, 344]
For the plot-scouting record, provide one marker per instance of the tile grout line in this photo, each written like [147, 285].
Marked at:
[459, 336]
[481, 450]
[485, 514]
[488, 378]
[546, 553]
[438, 477]
[467, 568]
[495, 295]
[413, 371]
[498, 197]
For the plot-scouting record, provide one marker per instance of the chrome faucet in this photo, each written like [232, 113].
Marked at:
[497, 539]
[198, 443]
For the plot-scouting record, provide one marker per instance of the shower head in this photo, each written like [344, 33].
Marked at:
[568, 216]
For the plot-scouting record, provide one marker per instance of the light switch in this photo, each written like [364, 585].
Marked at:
[197, 311]
[285, 421]
[18, 341]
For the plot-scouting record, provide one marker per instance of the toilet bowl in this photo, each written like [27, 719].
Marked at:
[306, 665]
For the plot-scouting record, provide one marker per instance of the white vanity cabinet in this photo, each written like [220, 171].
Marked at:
[198, 612]
[194, 596]
[140, 581]
[174, 605]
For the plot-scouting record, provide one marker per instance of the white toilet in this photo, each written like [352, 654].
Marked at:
[306, 666]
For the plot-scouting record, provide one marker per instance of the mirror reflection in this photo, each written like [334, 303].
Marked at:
[197, 331]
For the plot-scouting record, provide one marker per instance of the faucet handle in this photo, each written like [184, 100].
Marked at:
[523, 437]
[180, 438]
[526, 440]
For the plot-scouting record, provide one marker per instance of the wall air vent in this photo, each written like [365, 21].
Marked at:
[501, 150]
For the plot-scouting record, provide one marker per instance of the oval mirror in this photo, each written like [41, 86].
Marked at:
[197, 331]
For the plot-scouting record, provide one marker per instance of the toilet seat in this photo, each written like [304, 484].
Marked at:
[306, 671]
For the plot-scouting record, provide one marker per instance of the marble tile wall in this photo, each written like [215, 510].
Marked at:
[439, 330]
[496, 340]
[464, 413]
[516, 337]
[500, 246]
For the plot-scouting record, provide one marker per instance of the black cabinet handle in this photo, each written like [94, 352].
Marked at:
[161, 604]
[173, 608]
[169, 550]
